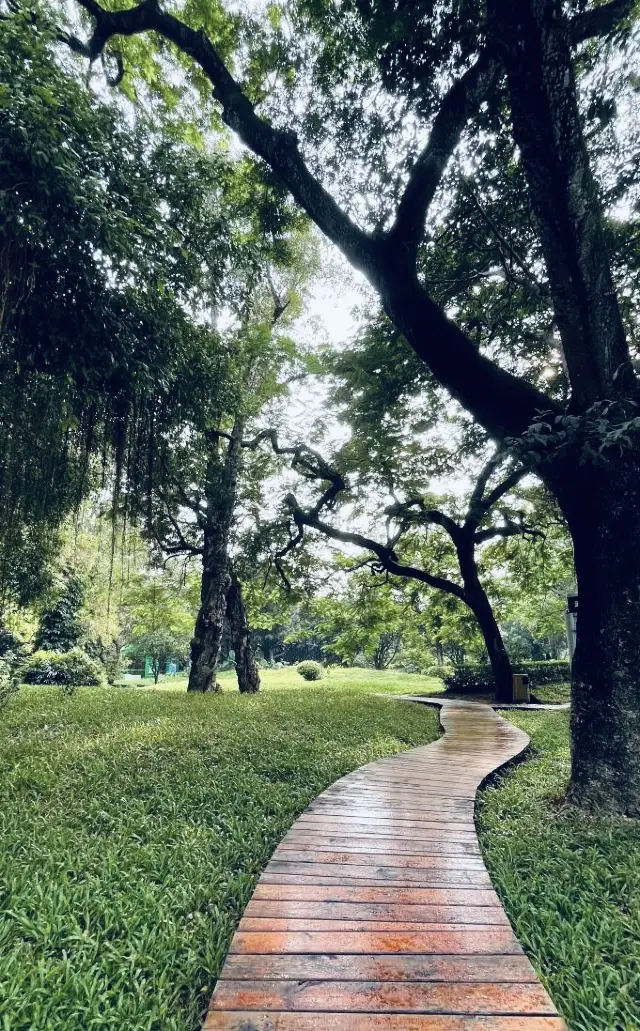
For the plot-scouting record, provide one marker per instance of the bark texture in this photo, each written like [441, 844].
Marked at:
[246, 666]
[604, 515]
[220, 493]
[476, 598]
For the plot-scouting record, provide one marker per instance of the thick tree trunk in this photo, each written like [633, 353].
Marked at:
[221, 481]
[534, 37]
[246, 667]
[207, 637]
[604, 516]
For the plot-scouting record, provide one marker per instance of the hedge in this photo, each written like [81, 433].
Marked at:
[478, 676]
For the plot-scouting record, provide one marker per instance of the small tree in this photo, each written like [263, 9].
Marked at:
[159, 618]
[60, 628]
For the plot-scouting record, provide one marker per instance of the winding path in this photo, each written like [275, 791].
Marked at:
[376, 912]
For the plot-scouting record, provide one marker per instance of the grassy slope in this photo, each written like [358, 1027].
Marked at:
[133, 824]
[571, 885]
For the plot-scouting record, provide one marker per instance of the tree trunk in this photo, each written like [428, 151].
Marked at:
[220, 492]
[207, 637]
[476, 598]
[604, 516]
[246, 667]
[498, 657]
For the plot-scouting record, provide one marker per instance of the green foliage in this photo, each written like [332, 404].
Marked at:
[311, 670]
[135, 824]
[478, 676]
[158, 617]
[68, 669]
[569, 883]
[116, 238]
[440, 672]
[60, 628]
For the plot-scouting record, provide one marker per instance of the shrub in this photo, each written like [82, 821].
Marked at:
[310, 670]
[440, 672]
[478, 676]
[67, 669]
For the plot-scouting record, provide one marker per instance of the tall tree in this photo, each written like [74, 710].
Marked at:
[197, 487]
[465, 68]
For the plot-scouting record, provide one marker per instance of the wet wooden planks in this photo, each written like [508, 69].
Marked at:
[376, 912]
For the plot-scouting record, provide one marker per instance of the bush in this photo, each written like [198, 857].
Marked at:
[478, 676]
[440, 672]
[67, 669]
[310, 670]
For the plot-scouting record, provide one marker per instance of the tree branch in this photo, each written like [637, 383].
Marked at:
[386, 556]
[511, 529]
[424, 515]
[277, 147]
[502, 402]
[479, 505]
[457, 106]
[600, 21]
[183, 543]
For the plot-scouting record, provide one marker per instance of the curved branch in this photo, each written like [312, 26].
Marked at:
[600, 21]
[386, 556]
[458, 105]
[277, 147]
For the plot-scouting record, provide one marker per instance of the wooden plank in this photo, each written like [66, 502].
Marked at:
[388, 997]
[392, 859]
[461, 969]
[476, 942]
[252, 1021]
[326, 924]
[376, 912]
[399, 896]
[428, 878]
[374, 843]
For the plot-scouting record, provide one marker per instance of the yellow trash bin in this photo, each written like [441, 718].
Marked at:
[521, 687]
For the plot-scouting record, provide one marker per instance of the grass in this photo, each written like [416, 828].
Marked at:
[570, 883]
[552, 694]
[389, 681]
[134, 823]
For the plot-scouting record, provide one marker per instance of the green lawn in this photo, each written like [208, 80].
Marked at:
[133, 825]
[134, 822]
[571, 885]
[364, 680]
[552, 693]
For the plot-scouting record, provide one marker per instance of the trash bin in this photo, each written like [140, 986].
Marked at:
[521, 687]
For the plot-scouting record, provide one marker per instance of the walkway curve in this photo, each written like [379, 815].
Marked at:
[376, 912]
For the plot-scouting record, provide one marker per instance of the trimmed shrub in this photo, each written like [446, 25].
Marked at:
[67, 669]
[439, 672]
[310, 670]
[474, 677]
[478, 676]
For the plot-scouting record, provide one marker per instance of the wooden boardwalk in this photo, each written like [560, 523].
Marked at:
[376, 912]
